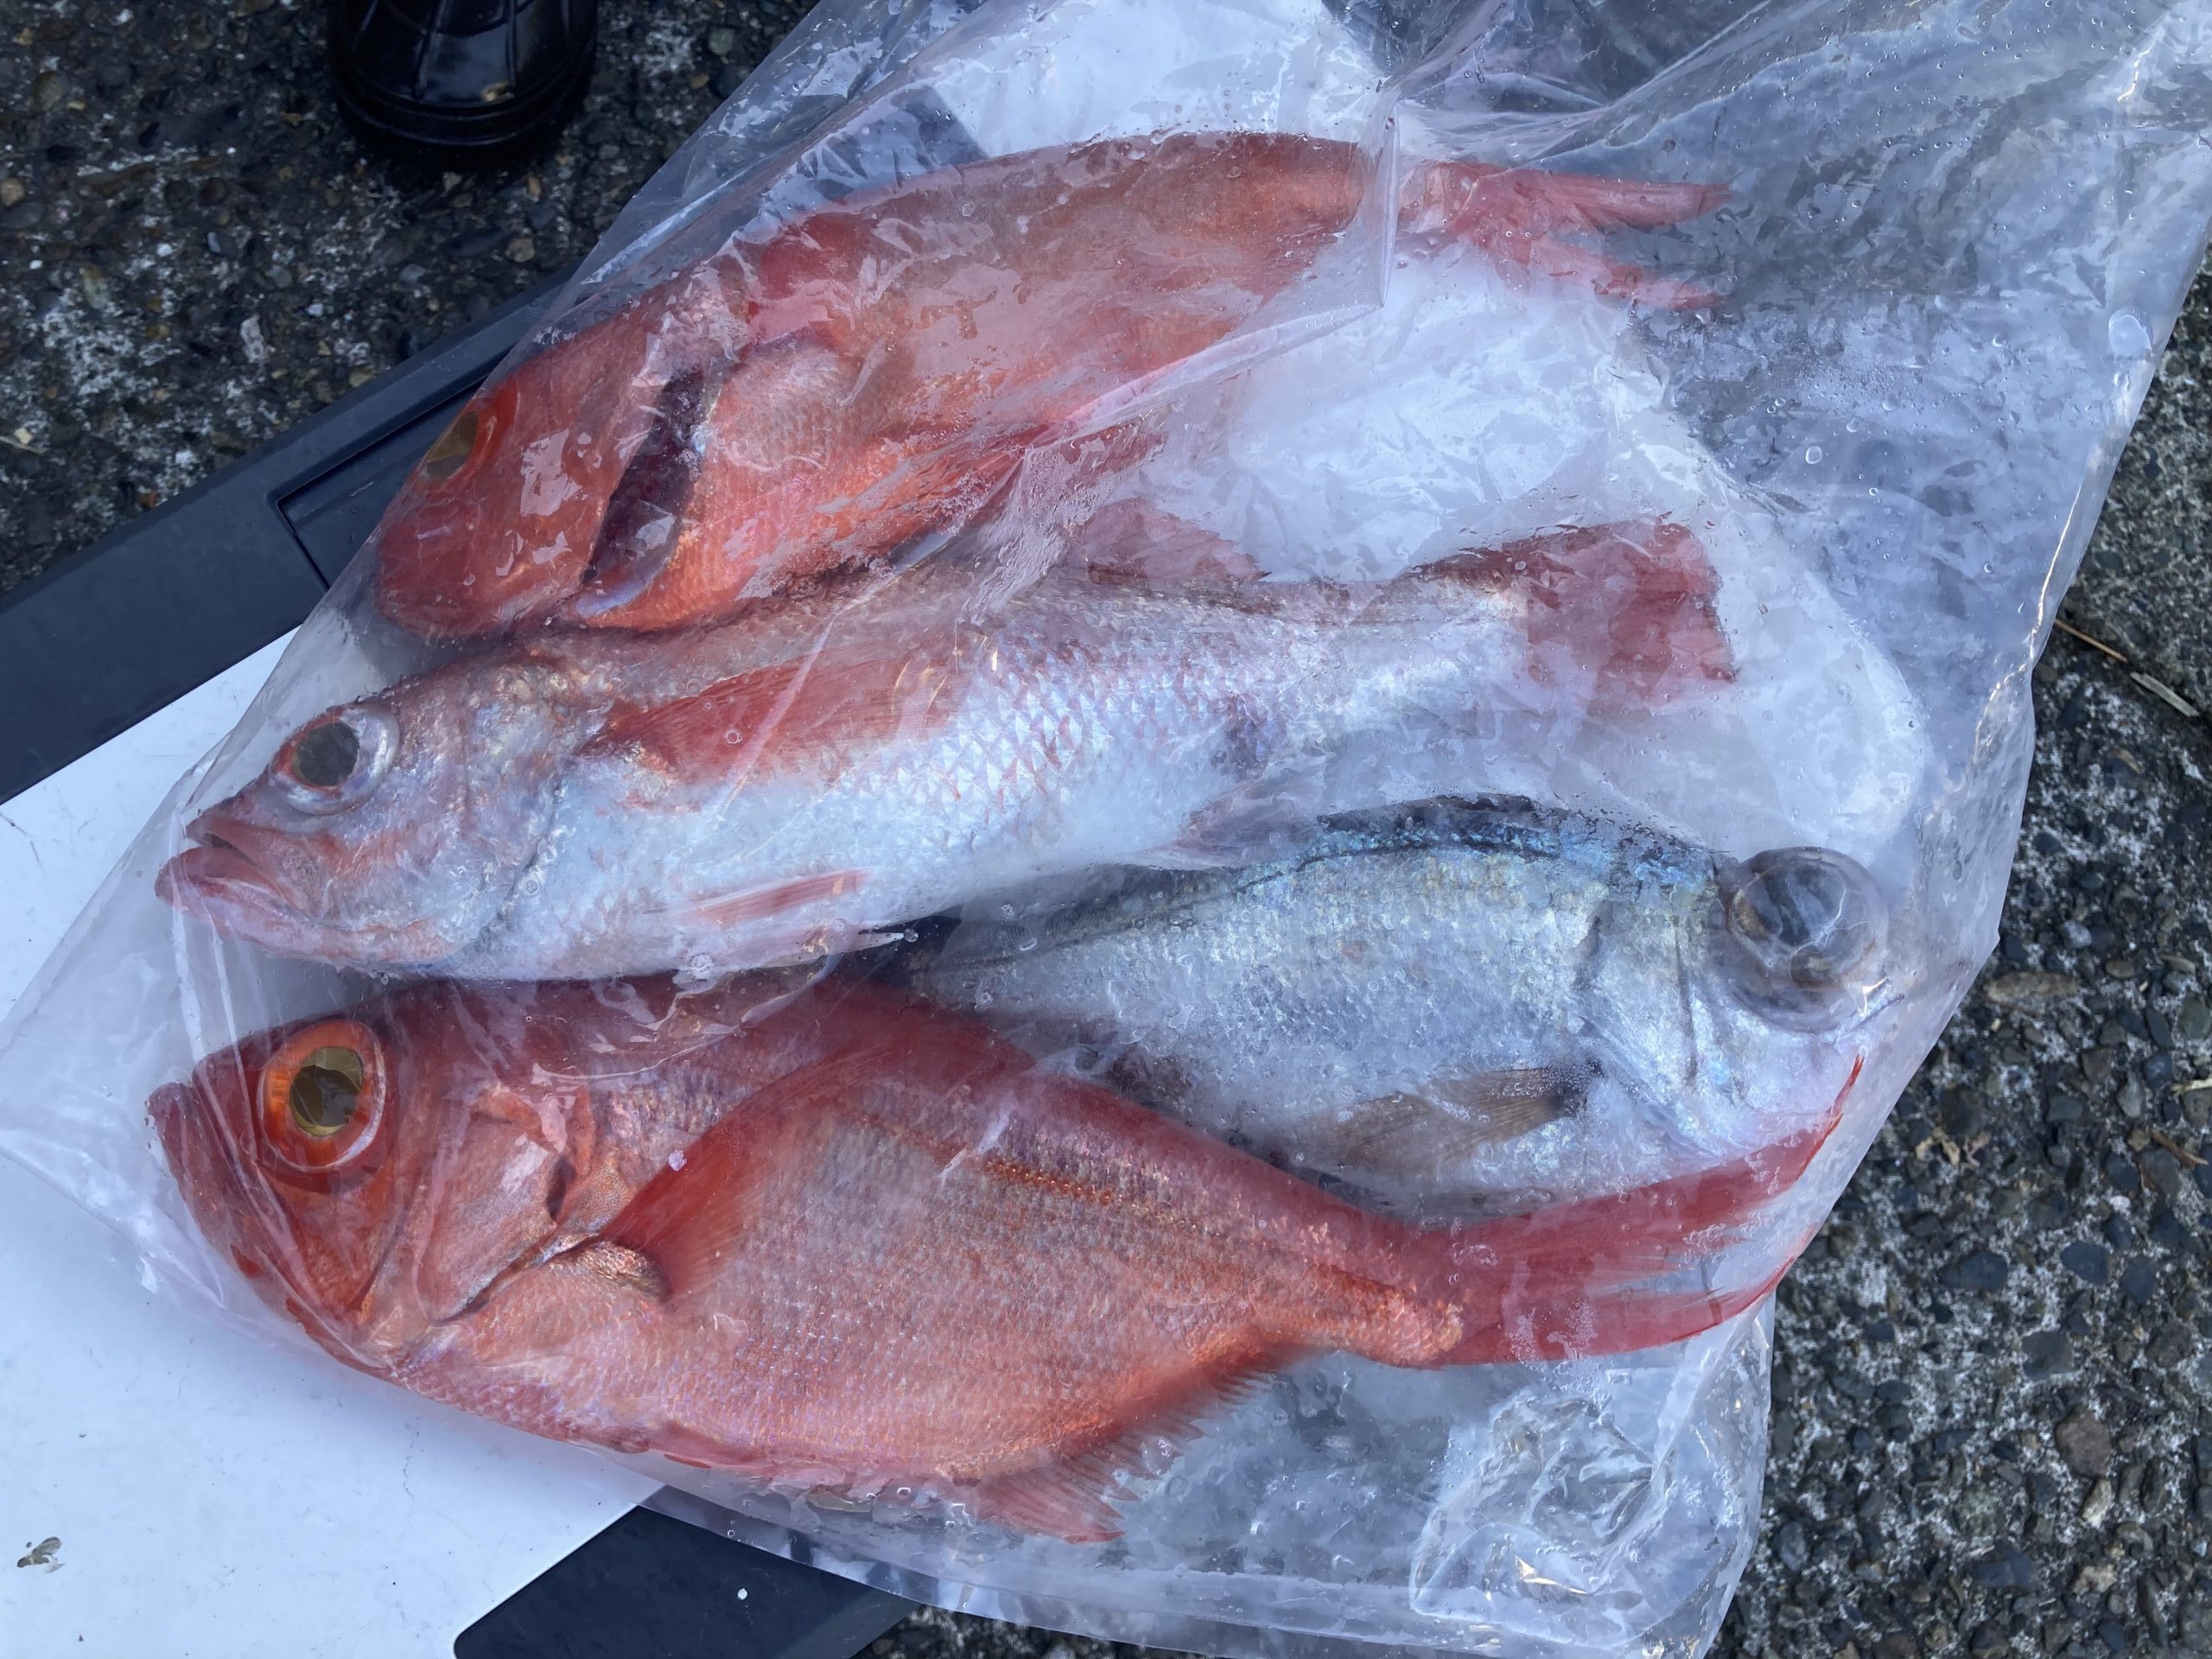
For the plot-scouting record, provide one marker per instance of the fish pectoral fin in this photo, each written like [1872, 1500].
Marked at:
[773, 899]
[1270, 815]
[698, 1213]
[1461, 1113]
[803, 715]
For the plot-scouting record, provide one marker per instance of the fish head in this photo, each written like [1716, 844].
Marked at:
[371, 1174]
[495, 524]
[378, 1175]
[386, 832]
[1727, 995]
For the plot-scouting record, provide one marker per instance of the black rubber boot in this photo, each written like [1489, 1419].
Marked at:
[461, 83]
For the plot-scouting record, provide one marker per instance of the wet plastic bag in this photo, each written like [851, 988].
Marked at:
[1139, 828]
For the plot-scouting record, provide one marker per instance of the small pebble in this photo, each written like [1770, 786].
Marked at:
[2084, 1444]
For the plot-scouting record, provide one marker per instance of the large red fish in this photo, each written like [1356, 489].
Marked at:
[842, 1242]
[876, 369]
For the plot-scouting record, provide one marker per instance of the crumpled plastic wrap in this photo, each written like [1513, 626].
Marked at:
[1441, 592]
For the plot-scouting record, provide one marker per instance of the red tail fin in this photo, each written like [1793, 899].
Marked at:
[1549, 1284]
[1632, 603]
[1516, 215]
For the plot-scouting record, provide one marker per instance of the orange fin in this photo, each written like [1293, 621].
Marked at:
[1495, 200]
[1546, 1270]
[1582, 1327]
[796, 716]
[1631, 603]
[1074, 1497]
[1057, 1502]
[698, 1212]
[1516, 215]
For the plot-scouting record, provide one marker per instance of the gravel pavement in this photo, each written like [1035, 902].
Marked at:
[1991, 1430]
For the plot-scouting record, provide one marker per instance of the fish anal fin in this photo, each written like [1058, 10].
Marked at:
[795, 717]
[1057, 1501]
[1074, 1497]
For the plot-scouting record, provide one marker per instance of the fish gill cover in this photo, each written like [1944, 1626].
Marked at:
[1140, 826]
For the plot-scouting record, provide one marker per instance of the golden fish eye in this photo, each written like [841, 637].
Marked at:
[446, 454]
[322, 1102]
[326, 1091]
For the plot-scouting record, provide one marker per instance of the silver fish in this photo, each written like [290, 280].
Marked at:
[1453, 1005]
[787, 785]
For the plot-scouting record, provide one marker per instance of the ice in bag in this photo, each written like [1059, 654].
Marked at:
[1315, 706]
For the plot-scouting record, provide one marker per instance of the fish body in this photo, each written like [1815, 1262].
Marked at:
[1453, 1004]
[817, 393]
[758, 793]
[843, 1244]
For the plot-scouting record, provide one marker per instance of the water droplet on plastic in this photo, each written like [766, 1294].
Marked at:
[2128, 336]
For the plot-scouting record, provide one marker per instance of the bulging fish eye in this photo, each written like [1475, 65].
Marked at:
[322, 1096]
[455, 444]
[1805, 931]
[337, 759]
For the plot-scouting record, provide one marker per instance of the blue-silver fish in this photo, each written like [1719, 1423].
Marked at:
[1452, 1006]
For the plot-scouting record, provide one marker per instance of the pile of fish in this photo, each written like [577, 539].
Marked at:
[828, 934]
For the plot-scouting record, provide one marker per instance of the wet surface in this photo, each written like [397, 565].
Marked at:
[1991, 1434]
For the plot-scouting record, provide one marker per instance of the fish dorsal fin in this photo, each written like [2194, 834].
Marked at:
[1074, 1495]
[1134, 543]
[696, 1214]
[796, 716]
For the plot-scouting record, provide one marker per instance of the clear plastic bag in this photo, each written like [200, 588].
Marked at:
[1292, 717]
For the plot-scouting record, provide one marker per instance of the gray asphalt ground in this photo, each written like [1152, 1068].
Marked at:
[1992, 1434]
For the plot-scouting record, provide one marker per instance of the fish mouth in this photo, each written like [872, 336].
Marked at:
[219, 882]
[197, 1141]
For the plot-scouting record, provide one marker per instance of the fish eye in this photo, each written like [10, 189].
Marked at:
[322, 1096]
[326, 1091]
[1805, 930]
[454, 446]
[337, 759]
